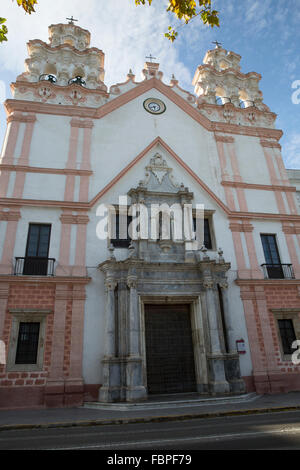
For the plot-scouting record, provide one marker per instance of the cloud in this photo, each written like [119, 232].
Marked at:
[125, 33]
[291, 153]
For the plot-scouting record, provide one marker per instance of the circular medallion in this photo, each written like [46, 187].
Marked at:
[154, 106]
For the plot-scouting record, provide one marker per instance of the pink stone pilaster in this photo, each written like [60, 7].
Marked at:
[79, 268]
[86, 161]
[63, 268]
[293, 253]
[224, 175]
[8, 155]
[4, 292]
[24, 159]
[71, 163]
[266, 329]
[7, 261]
[274, 181]
[54, 390]
[77, 332]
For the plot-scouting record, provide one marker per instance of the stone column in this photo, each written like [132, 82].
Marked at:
[217, 379]
[109, 391]
[135, 390]
[228, 321]
[110, 336]
[232, 363]
[133, 317]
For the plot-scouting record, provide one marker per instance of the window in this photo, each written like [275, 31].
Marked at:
[120, 230]
[287, 323]
[37, 250]
[207, 232]
[287, 335]
[273, 264]
[27, 339]
[27, 347]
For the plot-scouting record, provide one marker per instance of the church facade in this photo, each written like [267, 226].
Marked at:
[149, 237]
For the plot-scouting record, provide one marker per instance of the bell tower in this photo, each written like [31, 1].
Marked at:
[227, 95]
[67, 59]
[220, 77]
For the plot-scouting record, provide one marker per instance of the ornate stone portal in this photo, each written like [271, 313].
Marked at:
[165, 272]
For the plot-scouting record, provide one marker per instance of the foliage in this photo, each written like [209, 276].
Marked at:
[187, 10]
[28, 7]
[3, 30]
[184, 10]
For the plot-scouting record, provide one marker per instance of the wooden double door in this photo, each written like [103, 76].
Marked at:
[169, 349]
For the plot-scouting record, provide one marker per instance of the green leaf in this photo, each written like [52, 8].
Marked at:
[3, 30]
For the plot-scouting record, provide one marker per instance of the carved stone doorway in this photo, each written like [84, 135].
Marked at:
[169, 349]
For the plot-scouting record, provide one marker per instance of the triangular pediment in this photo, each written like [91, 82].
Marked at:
[165, 90]
[161, 169]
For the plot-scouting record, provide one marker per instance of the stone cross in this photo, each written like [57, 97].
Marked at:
[150, 57]
[71, 20]
[218, 44]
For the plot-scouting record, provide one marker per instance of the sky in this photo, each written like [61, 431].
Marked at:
[266, 34]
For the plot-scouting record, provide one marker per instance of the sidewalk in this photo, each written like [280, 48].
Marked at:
[155, 411]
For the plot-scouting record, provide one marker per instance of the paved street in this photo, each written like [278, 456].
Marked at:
[261, 431]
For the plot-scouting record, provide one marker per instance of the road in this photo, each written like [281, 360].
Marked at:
[259, 431]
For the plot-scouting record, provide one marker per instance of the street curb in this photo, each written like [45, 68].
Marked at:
[147, 419]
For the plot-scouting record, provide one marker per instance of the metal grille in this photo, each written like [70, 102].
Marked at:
[169, 349]
[287, 334]
[34, 266]
[28, 343]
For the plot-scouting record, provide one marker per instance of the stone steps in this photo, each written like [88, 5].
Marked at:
[176, 402]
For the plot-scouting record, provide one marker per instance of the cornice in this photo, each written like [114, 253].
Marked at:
[228, 71]
[80, 219]
[267, 282]
[18, 117]
[141, 88]
[101, 90]
[268, 143]
[264, 187]
[227, 139]
[43, 280]
[54, 171]
[86, 206]
[10, 216]
[64, 47]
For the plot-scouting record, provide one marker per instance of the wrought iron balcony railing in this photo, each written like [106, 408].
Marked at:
[278, 271]
[34, 266]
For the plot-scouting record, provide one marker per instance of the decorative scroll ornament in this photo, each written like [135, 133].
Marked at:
[110, 284]
[132, 282]
[208, 283]
[162, 175]
[159, 167]
[223, 284]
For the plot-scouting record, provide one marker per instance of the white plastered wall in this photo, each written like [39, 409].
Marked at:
[97, 252]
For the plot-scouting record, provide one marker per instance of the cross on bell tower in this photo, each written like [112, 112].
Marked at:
[71, 20]
[218, 44]
[151, 57]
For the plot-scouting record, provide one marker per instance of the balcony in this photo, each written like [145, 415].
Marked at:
[34, 266]
[278, 271]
